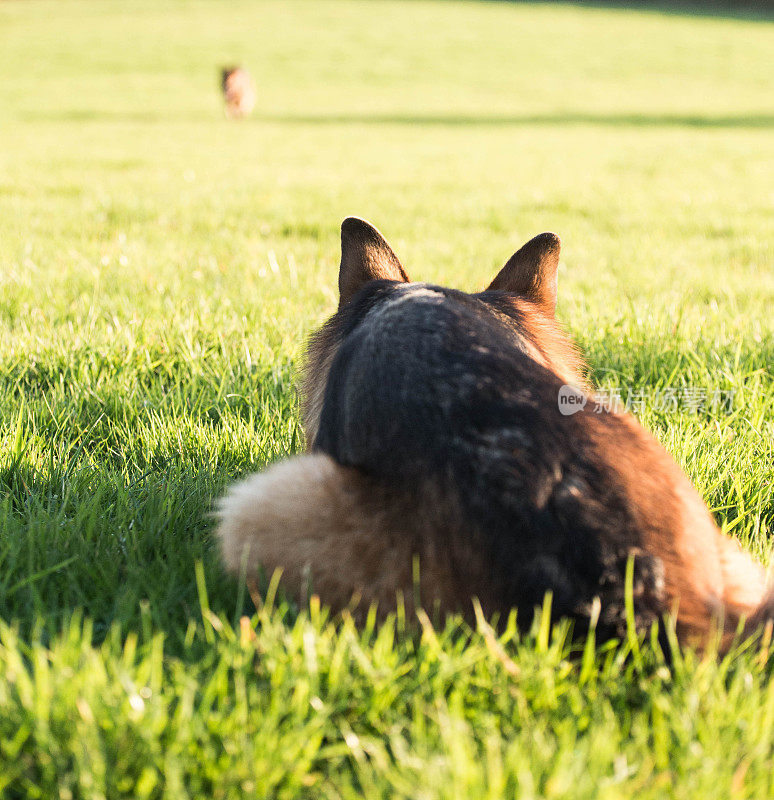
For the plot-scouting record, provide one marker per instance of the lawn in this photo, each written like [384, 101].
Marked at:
[160, 267]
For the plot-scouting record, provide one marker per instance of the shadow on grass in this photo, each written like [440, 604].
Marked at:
[559, 118]
[754, 10]
[123, 554]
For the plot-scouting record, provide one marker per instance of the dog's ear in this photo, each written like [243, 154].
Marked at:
[532, 271]
[365, 256]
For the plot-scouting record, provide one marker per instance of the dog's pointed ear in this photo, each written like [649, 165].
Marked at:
[365, 256]
[532, 271]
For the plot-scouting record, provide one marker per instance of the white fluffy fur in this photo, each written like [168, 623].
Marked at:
[308, 516]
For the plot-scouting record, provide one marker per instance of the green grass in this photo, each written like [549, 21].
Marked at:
[159, 269]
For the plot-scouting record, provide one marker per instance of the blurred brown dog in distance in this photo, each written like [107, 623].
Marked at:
[238, 91]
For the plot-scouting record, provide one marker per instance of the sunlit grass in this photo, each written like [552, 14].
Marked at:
[160, 267]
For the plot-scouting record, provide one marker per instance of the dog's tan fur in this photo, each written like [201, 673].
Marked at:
[708, 578]
[335, 529]
[330, 529]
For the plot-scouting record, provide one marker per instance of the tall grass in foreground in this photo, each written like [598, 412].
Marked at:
[281, 706]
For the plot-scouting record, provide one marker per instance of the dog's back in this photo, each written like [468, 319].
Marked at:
[437, 396]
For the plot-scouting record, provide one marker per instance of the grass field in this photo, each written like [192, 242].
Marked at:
[159, 269]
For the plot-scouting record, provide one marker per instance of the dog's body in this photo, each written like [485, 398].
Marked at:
[238, 91]
[436, 434]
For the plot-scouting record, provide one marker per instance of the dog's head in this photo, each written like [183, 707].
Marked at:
[522, 296]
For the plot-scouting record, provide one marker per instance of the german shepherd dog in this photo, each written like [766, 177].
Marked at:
[436, 435]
